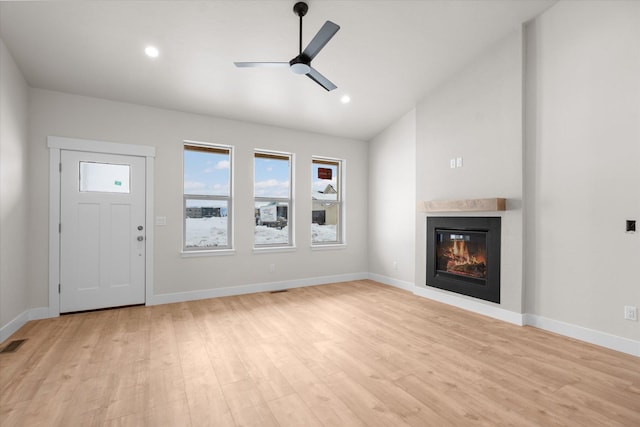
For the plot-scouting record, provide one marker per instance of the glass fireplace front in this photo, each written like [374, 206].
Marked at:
[462, 253]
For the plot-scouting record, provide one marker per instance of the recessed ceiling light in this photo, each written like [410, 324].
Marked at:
[345, 99]
[152, 51]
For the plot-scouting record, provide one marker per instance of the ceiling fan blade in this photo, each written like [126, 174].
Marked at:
[260, 64]
[314, 75]
[328, 30]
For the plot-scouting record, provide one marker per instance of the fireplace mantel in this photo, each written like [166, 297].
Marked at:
[465, 205]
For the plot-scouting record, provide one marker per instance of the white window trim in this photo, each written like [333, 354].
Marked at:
[207, 253]
[342, 196]
[272, 249]
[229, 249]
[278, 247]
[327, 246]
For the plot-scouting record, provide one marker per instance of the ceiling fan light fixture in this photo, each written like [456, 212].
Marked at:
[300, 68]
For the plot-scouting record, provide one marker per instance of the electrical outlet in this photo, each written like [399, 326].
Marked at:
[395, 265]
[630, 312]
[452, 163]
[458, 162]
[272, 268]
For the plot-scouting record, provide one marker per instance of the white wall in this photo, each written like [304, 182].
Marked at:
[59, 114]
[583, 165]
[392, 201]
[14, 207]
[476, 115]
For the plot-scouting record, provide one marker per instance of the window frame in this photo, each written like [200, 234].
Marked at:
[340, 188]
[214, 148]
[277, 155]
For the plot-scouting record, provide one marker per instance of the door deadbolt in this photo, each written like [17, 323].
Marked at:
[140, 228]
[140, 238]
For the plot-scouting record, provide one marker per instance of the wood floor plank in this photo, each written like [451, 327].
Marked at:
[345, 354]
[291, 411]
[324, 404]
[264, 374]
[247, 405]
[369, 408]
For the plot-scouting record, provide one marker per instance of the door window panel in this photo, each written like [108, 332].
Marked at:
[104, 177]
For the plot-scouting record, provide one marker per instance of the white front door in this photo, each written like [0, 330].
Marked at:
[102, 217]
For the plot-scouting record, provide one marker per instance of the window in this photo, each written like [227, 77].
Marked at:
[104, 177]
[207, 197]
[326, 201]
[272, 199]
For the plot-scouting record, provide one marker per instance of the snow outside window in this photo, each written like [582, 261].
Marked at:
[207, 197]
[326, 201]
[272, 199]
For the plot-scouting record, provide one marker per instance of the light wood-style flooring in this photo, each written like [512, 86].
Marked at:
[346, 354]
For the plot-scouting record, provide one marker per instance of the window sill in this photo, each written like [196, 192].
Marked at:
[206, 253]
[328, 247]
[273, 249]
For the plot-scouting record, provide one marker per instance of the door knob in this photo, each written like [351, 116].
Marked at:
[140, 238]
[140, 228]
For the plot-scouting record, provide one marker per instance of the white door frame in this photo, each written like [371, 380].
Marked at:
[56, 144]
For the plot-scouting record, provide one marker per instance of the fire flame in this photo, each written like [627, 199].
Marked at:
[460, 252]
[460, 261]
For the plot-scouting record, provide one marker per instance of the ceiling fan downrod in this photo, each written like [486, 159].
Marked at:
[300, 9]
[300, 64]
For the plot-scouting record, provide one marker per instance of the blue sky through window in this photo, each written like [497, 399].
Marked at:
[206, 173]
[271, 177]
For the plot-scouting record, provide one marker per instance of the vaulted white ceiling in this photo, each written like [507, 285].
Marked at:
[386, 56]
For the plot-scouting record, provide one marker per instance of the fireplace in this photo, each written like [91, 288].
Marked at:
[463, 255]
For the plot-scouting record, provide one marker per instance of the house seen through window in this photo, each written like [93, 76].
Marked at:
[326, 201]
[207, 197]
[272, 199]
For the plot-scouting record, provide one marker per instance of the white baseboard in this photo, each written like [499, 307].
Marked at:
[20, 320]
[450, 299]
[471, 305]
[591, 336]
[396, 283]
[251, 289]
